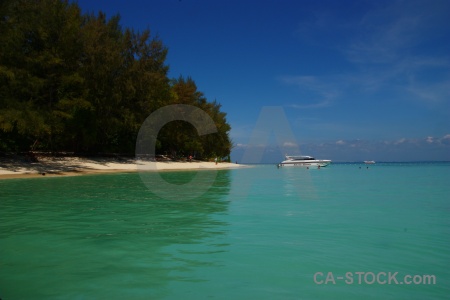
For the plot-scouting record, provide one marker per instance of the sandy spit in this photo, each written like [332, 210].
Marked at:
[72, 166]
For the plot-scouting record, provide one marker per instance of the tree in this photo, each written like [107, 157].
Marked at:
[208, 146]
[82, 83]
[40, 85]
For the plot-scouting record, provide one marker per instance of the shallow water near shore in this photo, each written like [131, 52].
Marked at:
[257, 233]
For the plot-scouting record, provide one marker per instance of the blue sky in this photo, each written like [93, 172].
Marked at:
[358, 80]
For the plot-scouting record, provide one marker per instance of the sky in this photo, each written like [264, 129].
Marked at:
[356, 80]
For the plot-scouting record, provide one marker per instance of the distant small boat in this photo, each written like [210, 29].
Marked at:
[304, 161]
[369, 162]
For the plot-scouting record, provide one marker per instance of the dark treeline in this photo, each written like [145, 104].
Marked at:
[81, 83]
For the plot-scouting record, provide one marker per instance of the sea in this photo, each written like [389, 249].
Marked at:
[347, 231]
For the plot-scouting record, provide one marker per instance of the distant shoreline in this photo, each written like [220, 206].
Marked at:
[362, 162]
[75, 166]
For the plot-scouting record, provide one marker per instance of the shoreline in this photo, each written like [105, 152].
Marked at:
[77, 166]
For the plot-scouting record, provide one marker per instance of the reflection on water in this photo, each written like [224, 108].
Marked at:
[102, 236]
[296, 182]
[187, 185]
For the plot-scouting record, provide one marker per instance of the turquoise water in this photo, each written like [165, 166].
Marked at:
[257, 233]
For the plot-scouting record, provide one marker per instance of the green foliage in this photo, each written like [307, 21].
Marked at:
[81, 83]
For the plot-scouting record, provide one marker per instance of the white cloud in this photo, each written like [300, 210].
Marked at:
[386, 32]
[400, 141]
[404, 149]
[322, 92]
[290, 144]
[445, 140]
[433, 93]
[381, 44]
[433, 140]
[340, 142]
[321, 104]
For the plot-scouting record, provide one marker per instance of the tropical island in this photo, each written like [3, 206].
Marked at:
[81, 85]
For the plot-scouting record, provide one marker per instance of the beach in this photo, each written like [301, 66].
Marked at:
[72, 166]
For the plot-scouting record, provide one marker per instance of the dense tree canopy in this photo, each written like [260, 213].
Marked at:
[82, 83]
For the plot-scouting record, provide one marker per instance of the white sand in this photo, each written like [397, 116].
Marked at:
[78, 166]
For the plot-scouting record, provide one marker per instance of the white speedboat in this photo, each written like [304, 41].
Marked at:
[369, 162]
[304, 161]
